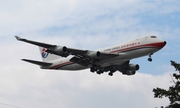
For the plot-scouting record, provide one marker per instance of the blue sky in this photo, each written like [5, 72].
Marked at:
[89, 25]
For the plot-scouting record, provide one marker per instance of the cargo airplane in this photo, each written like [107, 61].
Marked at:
[111, 59]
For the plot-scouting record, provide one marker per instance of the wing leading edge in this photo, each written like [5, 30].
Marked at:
[35, 43]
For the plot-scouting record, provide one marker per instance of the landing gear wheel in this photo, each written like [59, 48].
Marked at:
[92, 69]
[150, 59]
[110, 74]
[100, 72]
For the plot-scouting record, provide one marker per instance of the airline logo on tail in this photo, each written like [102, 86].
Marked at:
[44, 53]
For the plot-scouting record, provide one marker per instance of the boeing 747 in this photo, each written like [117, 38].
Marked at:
[111, 59]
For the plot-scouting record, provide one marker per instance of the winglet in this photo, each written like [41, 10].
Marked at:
[17, 37]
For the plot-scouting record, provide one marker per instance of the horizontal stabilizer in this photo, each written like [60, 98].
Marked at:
[37, 62]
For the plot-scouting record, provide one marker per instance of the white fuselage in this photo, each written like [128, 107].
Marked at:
[127, 51]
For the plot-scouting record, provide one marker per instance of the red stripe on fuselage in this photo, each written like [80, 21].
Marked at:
[60, 65]
[157, 45]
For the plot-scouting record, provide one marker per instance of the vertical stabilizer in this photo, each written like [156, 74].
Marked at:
[47, 56]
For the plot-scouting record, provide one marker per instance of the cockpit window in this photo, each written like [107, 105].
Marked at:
[153, 37]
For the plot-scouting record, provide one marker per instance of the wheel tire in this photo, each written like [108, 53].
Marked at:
[110, 74]
[150, 59]
[92, 69]
[98, 72]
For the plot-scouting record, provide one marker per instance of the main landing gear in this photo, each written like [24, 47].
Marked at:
[95, 69]
[111, 72]
[99, 70]
[150, 58]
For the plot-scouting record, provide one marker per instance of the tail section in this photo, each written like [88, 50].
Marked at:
[47, 56]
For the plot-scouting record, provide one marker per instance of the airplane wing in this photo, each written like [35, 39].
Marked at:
[51, 48]
[83, 57]
[35, 43]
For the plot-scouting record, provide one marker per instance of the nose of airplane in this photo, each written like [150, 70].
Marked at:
[165, 43]
[161, 44]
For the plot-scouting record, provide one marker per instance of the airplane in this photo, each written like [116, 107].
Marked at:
[111, 59]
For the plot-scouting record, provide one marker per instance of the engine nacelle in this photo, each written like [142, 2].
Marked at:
[133, 67]
[62, 51]
[95, 55]
[130, 72]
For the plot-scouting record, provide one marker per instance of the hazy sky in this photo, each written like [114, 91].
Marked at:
[85, 24]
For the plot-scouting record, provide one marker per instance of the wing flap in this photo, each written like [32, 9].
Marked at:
[80, 61]
[105, 55]
[37, 62]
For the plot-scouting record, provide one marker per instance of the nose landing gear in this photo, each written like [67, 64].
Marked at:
[150, 58]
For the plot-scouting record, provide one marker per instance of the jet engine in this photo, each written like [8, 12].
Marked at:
[94, 55]
[132, 68]
[59, 50]
[129, 72]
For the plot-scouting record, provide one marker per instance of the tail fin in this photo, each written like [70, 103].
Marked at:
[47, 56]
